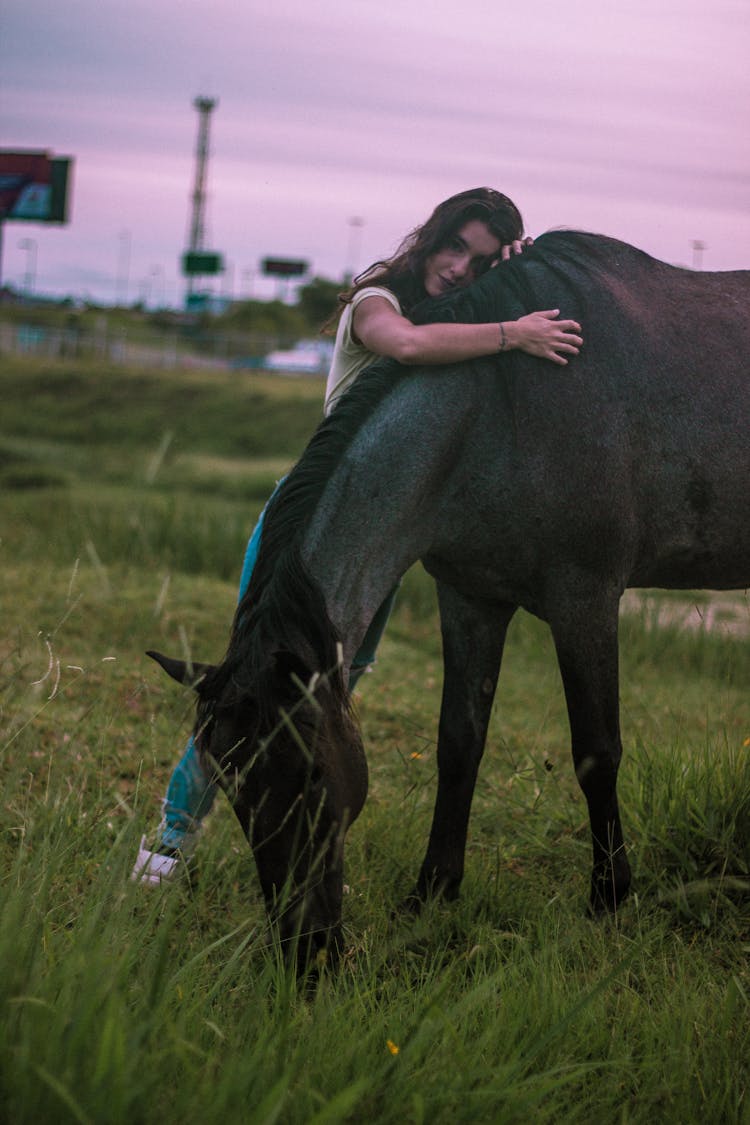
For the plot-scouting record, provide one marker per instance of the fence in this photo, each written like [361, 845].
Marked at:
[168, 349]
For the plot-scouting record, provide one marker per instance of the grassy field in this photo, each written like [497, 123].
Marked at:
[125, 503]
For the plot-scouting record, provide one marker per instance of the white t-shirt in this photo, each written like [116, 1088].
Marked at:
[349, 356]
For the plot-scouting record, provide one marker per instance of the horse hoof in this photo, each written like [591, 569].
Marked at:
[606, 897]
[409, 907]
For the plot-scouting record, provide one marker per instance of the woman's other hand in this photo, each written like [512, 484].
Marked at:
[543, 335]
[515, 248]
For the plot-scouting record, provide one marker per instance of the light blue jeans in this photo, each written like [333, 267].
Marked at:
[191, 792]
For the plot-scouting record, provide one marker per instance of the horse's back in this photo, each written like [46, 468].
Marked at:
[633, 460]
[684, 408]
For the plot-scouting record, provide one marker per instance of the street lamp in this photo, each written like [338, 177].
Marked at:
[156, 290]
[123, 269]
[355, 235]
[248, 276]
[227, 282]
[29, 245]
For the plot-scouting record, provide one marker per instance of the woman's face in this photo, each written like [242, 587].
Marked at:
[463, 258]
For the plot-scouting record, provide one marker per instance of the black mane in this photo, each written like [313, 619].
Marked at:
[282, 610]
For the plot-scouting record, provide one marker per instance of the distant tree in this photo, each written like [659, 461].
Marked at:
[317, 300]
[272, 318]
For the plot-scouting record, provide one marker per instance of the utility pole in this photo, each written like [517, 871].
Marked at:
[29, 278]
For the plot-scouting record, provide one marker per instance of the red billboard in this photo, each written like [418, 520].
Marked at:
[34, 187]
[284, 267]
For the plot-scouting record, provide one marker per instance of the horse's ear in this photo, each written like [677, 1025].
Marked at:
[189, 674]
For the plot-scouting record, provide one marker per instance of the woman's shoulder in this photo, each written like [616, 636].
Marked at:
[375, 291]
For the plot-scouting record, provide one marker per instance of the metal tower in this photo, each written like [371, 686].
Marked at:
[197, 223]
[197, 261]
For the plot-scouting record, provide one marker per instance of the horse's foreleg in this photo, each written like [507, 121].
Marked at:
[586, 643]
[473, 638]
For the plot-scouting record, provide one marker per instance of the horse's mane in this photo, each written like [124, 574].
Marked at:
[283, 610]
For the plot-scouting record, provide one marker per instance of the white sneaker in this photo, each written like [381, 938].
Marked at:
[153, 868]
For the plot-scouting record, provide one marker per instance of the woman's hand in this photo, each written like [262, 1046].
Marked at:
[543, 335]
[515, 248]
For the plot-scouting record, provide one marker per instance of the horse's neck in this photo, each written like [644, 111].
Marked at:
[356, 551]
[378, 513]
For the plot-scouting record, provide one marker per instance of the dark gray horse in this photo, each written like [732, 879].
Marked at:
[517, 484]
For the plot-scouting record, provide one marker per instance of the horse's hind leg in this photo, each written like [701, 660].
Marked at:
[473, 638]
[586, 642]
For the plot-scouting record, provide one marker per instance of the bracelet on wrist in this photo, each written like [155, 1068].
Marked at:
[503, 341]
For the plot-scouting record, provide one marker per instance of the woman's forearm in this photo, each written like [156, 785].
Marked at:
[540, 334]
[444, 343]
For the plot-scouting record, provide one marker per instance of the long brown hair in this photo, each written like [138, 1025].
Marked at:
[403, 273]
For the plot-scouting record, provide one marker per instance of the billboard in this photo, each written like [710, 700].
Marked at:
[284, 267]
[34, 187]
[196, 263]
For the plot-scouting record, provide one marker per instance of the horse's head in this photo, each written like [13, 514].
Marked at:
[289, 756]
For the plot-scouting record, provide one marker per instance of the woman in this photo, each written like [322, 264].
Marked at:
[464, 237]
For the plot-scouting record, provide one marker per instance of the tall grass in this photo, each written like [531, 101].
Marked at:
[122, 1005]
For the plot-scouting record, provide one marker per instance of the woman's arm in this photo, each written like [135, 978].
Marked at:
[385, 332]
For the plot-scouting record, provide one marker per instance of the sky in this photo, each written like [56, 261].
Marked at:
[340, 124]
